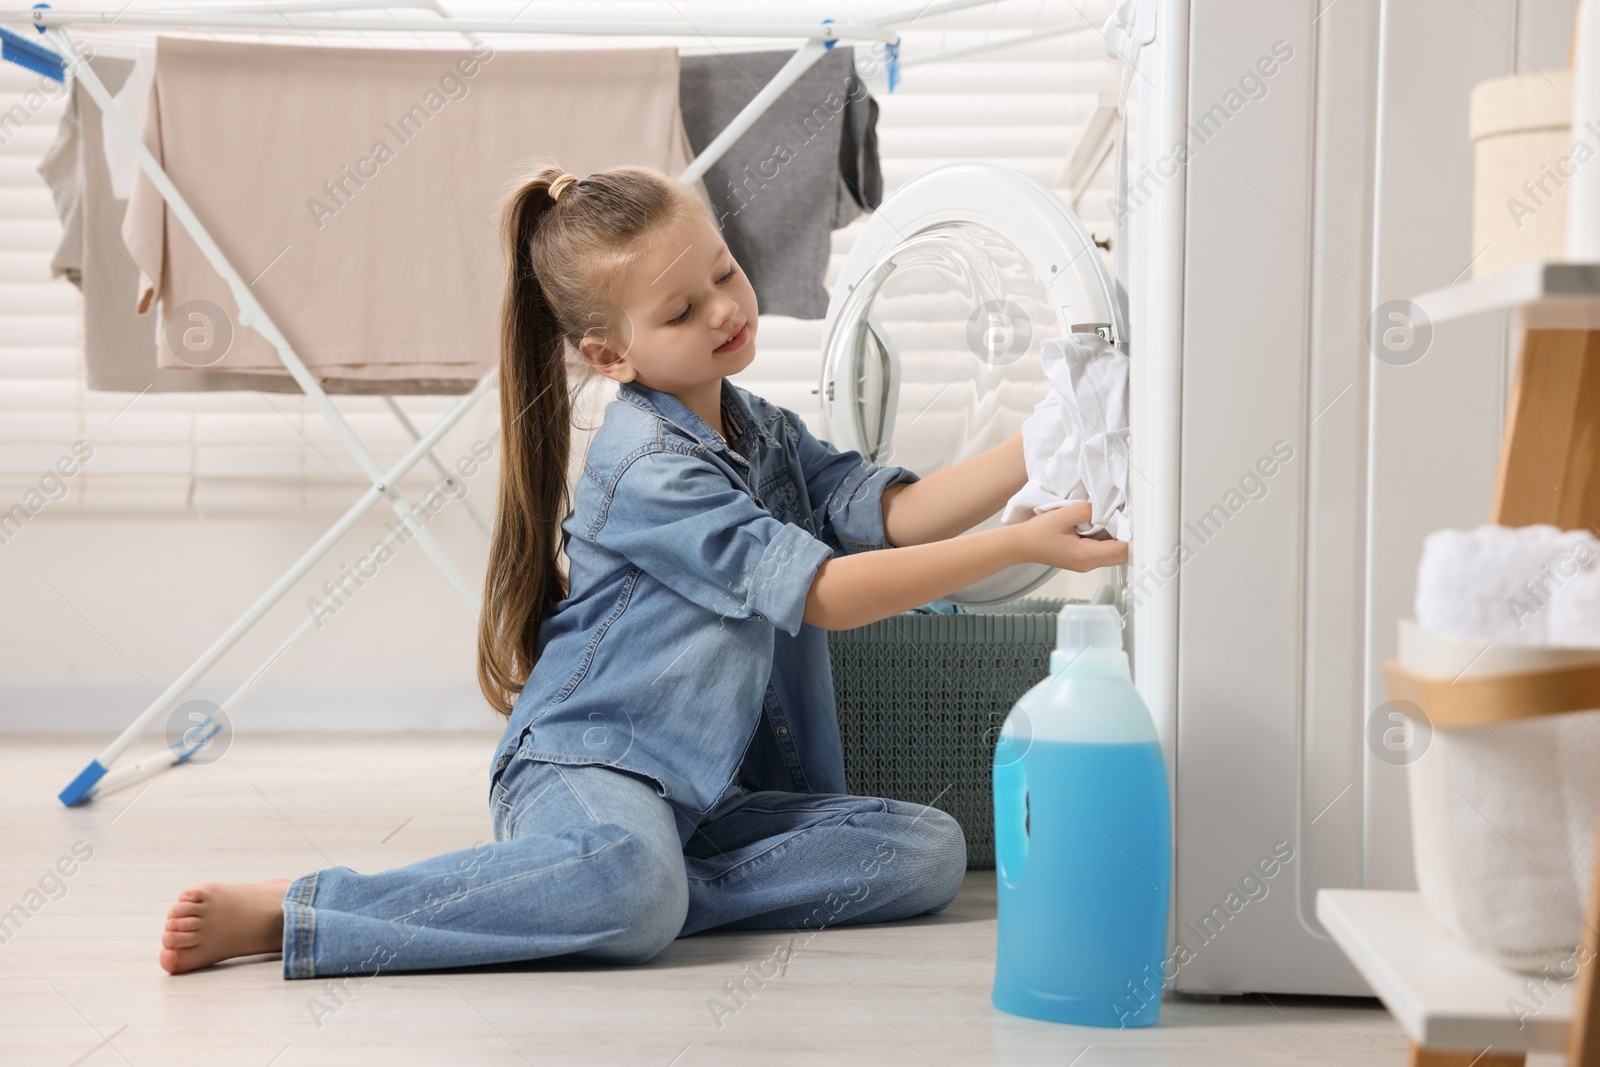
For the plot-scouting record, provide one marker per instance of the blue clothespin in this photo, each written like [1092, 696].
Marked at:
[17, 49]
[892, 50]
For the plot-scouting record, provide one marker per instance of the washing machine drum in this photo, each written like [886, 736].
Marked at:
[931, 342]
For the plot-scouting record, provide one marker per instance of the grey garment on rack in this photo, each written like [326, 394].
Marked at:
[808, 166]
[119, 348]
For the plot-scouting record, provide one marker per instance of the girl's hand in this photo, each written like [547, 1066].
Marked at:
[1053, 539]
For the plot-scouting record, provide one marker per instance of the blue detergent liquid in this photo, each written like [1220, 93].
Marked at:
[1083, 890]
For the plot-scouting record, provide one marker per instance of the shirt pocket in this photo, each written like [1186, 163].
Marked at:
[781, 498]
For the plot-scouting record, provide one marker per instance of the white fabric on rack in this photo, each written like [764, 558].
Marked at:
[1524, 585]
[133, 99]
[1075, 443]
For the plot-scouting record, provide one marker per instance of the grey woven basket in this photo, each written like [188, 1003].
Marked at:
[921, 699]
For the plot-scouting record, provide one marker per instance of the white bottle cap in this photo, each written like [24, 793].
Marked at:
[1086, 626]
[1088, 634]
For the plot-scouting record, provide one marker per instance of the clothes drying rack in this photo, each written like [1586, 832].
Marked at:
[301, 17]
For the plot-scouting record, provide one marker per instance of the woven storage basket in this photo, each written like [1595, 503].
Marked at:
[1502, 812]
[921, 700]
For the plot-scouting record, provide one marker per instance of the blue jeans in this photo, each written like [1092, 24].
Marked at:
[592, 861]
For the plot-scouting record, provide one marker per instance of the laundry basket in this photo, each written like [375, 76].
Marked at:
[1504, 781]
[1493, 700]
[921, 699]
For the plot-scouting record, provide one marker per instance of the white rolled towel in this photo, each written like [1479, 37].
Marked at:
[1575, 608]
[1523, 585]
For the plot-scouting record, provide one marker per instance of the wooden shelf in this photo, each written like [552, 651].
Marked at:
[1545, 296]
[1459, 1008]
[1443, 993]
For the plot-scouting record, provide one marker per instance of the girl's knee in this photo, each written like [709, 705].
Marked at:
[646, 899]
[939, 851]
[951, 857]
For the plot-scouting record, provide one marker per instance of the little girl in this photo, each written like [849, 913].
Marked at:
[672, 760]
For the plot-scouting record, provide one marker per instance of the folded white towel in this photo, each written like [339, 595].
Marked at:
[1575, 609]
[1524, 585]
[1075, 444]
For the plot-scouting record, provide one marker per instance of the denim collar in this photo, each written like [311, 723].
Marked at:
[675, 411]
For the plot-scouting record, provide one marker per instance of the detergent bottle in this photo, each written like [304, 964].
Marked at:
[1083, 838]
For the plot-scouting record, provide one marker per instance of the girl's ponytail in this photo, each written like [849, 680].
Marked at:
[562, 253]
[525, 576]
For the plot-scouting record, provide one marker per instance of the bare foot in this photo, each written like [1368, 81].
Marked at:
[216, 921]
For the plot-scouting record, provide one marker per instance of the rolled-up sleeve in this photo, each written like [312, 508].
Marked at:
[684, 522]
[846, 489]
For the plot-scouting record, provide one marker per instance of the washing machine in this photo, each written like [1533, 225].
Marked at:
[931, 356]
[931, 341]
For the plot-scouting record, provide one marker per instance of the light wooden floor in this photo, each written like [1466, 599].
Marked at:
[79, 983]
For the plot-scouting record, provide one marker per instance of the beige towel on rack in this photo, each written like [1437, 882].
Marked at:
[119, 344]
[357, 190]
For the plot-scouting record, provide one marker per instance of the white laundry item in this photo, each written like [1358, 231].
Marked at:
[1075, 444]
[133, 100]
[1524, 585]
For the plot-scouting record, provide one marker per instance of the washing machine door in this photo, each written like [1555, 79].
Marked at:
[931, 342]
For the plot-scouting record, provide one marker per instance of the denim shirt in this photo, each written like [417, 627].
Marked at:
[680, 653]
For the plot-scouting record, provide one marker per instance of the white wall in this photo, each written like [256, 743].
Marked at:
[1434, 425]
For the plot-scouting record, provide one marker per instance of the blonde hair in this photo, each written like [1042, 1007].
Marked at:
[567, 241]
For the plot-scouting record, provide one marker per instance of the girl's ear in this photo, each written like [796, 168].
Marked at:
[605, 359]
